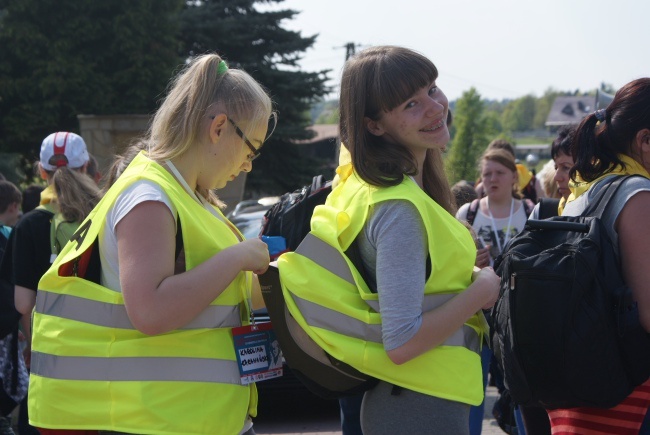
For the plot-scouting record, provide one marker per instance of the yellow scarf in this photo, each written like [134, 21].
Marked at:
[632, 167]
[48, 195]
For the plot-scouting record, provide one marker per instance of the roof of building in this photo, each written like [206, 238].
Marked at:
[323, 132]
[570, 110]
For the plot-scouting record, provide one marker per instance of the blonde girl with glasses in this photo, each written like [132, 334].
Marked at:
[149, 347]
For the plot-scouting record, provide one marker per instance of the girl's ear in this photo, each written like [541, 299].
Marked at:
[643, 140]
[217, 126]
[42, 172]
[374, 127]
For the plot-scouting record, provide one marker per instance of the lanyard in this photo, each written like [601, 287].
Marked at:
[181, 180]
[494, 225]
[195, 195]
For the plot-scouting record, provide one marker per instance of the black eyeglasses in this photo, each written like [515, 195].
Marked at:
[255, 152]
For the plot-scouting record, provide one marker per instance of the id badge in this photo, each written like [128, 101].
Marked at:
[258, 352]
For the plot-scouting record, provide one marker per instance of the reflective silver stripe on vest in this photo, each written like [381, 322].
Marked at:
[331, 320]
[81, 368]
[114, 316]
[430, 301]
[325, 255]
[316, 315]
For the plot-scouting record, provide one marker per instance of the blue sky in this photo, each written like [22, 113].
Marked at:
[503, 48]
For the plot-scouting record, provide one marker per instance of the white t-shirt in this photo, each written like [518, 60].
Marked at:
[138, 192]
[485, 230]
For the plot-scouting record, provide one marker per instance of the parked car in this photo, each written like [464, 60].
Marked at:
[248, 215]
[249, 223]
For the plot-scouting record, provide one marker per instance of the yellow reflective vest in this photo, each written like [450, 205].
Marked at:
[91, 369]
[330, 300]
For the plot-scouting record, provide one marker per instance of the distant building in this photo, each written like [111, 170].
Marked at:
[570, 110]
[324, 145]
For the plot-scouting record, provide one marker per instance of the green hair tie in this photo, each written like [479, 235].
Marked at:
[223, 67]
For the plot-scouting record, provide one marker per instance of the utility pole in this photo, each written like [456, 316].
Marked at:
[350, 49]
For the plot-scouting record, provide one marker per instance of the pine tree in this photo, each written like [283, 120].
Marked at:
[256, 42]
[61, 59]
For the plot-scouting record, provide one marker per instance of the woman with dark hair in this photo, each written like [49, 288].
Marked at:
[610, 142]
[563, 162]
[561, 154]
[414, 298]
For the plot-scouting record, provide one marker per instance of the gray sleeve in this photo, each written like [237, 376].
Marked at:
[393, 249]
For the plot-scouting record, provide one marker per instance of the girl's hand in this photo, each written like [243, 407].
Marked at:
[490, 283]
[255, 255]
[483, 257]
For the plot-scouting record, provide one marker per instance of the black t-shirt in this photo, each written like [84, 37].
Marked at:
[31, 248]
[3, 243]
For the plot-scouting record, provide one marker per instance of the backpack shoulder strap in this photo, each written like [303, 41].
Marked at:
[528, 206]
[599, 204]
[548, 207]
[471, 212]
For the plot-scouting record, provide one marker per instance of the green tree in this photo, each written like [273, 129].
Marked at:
[470, 139]
[519, 114]
[543, 107]
[61, 59]
[326, 112]
[255, 41]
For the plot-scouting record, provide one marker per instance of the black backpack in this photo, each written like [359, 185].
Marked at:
[290, 217]
[566, 328]
[9, 317]
[322, 374]
[548, 207]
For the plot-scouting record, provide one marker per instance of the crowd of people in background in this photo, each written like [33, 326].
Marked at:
[158, 205]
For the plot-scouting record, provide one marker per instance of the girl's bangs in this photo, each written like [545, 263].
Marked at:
[399, 79]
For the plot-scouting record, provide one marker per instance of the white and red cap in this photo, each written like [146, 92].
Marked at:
[63, 149]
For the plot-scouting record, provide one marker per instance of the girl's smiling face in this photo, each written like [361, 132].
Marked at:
[419, 123]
